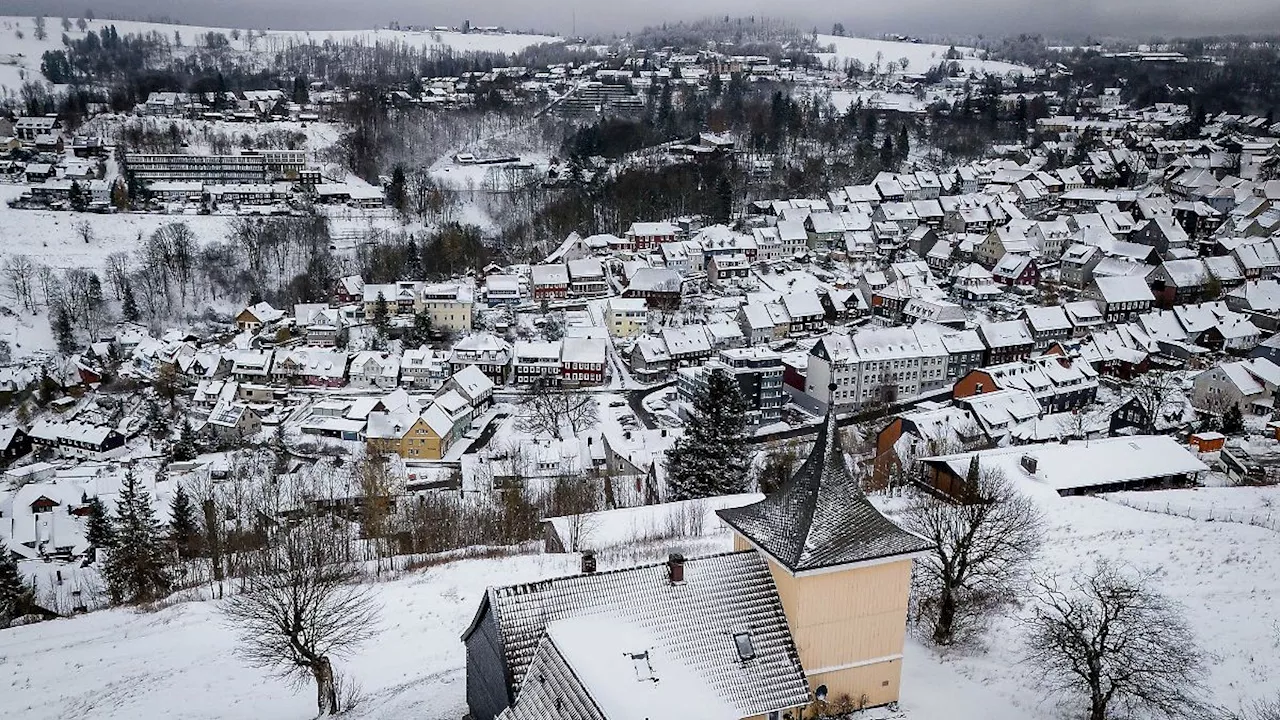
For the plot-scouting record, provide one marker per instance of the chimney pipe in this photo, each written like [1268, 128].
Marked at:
[675, 569]
[588, 562]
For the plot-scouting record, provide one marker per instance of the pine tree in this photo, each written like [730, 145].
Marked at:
[17, 598]
[63, 332]
[886, 153]
[128, 305]
[396, 196]
[1232, 420]
[100, 532]
[183, 531]
[156, 421]
[711, 458]
[381, 319]
[280, 449]
[185, 448]
[136, 570]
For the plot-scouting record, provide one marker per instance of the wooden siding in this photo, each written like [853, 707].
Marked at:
[866, 686]
[846, 617]
[487, 691]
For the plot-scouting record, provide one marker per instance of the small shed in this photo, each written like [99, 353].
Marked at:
[1206, 442]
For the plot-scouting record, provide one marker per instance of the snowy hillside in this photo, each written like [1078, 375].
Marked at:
[20, 56]
[920, 56]
[179, 663]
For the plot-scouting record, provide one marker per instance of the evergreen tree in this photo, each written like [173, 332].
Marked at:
[887, 155]
[381, 317]
[396, 196]
[136, 570]
[183, 531]
[280, 449]
[100, 532]
[712, 457]
[185, 448]
[48, 391]
[63, 332]
[16, 596]
[1232, 420]
[156, 421]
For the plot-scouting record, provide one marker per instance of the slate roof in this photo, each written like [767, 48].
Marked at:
[821, 518]
[694, 621]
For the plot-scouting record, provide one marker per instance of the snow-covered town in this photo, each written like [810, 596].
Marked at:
[723, 370]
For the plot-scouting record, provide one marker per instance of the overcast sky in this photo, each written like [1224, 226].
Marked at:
[1139, 19]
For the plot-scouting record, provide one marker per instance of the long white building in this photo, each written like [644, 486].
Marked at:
[876, 365]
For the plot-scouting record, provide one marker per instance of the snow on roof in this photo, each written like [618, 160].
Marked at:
[1186, 273]
[586, 268]
[472, 382]
[802, 304]
[1122, 289]
[1088, 464]
[688, 339]
[1259, 295]
[556, 274]
[1005, 334]
[584, 351]
[1047, 319]
[792, 231]
[655, 280]
[694, 622]
[632, 675]
[652, 229]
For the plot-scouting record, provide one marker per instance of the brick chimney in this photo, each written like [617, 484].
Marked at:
[675, 569]
[588, 562]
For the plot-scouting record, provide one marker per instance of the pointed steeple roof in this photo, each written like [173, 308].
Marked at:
[820, 518]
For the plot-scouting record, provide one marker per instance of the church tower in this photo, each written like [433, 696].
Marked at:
[843, 572]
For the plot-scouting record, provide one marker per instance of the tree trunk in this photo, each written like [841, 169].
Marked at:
[214, 546]
[942, 630]
[1097, 707]
[326, 692]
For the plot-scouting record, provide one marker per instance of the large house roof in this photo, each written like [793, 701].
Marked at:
[694, 623]
[820, 518]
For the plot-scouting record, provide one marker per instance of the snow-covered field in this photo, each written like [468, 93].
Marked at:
[920, 56]
[20, 56]
[179, 662]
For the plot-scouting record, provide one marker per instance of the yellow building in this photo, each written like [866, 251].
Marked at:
[810, 606]
[427, 436]
[627, 317]
[843, 574]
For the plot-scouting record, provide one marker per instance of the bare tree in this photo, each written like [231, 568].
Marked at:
[1154, 391]
[1110, 638]
[982, 545]
[303, 606]
[19, 272]
[117, 270]
[378, 489]
[85, 231]
[547, 409]
[574, 497]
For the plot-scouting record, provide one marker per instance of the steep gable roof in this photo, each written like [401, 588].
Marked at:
[821, 518]
[694, 622]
